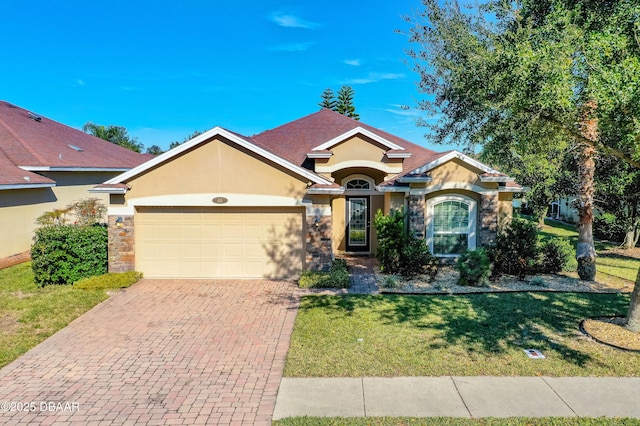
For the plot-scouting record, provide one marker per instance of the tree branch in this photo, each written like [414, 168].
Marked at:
[595, 144]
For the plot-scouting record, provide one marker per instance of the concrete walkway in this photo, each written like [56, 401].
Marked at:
[459, 397]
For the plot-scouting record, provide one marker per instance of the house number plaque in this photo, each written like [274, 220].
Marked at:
[220, 200]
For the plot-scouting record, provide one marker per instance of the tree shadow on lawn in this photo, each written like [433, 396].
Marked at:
[493, 323]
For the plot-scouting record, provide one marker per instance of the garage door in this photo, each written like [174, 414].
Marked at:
[219, 243]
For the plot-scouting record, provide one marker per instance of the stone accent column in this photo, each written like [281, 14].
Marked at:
[416, 215]
[488, 219]
[121, 244]
[318, 243]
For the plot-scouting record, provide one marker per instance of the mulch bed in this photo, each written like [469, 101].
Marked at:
[611, 331]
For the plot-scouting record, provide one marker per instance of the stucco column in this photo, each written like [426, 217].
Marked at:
[319, 251]
[121, 244]
[489, 205]
[416, 215]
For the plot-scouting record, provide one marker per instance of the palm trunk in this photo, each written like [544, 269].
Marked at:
[633, 317]
[585, 250]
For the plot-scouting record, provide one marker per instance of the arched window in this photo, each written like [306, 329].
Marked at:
[452, 225]
[358, 184]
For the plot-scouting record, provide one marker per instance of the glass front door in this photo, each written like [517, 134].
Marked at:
[358, 224]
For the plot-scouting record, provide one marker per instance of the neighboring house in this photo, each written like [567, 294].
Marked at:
[45, 165]
[564, 209]
[223, 205]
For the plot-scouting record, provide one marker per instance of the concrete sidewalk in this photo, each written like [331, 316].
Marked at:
[459, 397]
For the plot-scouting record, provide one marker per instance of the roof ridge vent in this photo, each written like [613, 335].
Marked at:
[35, 117]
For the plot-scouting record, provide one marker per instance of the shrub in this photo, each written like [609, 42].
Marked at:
[415, 258]
[390, 233]
[606, 226]
[111, 280]
[64, 254]
[337, 277]
[399, 253]
[474, 268]
[556, 254]
[516, 250]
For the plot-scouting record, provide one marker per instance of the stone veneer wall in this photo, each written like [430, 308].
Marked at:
[488, 219]
[121, 244]
[318, 243]
[416, 215]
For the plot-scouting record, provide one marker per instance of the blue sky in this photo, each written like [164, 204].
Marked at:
[163, 69]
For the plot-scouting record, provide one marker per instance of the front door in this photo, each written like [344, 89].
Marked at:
[358, 224]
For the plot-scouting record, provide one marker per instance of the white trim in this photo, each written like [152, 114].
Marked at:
[381, 188]
[108, 190]
[409, 179]
[354, 132]
[450, 156]
[398, 154]
[383, 167]
[26, 186]
[473, 220]
[319, 154]
[514, 189]
[218, 131]
[73, 169]
[496, 179]
[321, 191]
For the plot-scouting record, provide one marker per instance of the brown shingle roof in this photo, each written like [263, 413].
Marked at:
[294, 140]
[30, 140]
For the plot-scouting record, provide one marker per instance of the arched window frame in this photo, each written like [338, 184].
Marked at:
[471, 229]
[359, 191]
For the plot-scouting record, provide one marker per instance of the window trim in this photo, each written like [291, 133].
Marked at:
[473, 219]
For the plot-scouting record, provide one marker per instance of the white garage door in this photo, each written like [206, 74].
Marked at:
[219, 243]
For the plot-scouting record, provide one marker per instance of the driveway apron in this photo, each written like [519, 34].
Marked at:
[160, 352]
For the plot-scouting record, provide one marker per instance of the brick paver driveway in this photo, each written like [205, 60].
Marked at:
[160, 352]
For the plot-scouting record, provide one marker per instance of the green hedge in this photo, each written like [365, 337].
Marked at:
[64, 254]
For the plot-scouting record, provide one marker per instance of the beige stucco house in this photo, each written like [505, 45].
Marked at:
[223, 205]
[45, 165]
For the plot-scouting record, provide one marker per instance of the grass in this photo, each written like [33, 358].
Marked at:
[28, 314]
[615, 265]
[453, 421]
[471, 335]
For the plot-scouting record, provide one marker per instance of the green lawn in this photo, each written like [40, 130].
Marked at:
[28, 314]
[471, 335]
[452, 421]
[616, 265]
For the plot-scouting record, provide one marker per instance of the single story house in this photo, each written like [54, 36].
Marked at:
[223, 205]
[45, 165]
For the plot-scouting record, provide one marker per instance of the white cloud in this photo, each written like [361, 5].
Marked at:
[352, 62]
[292, 21]
[292, 47]
[80, 82]
[373, 78]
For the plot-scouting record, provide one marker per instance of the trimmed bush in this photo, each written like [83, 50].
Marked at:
[337, 277]
[64, 254]
[399, 253]
[555, 256]
[415, 258]
[474, 268]
[516, 251]
[108, 281]
[390, 233]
